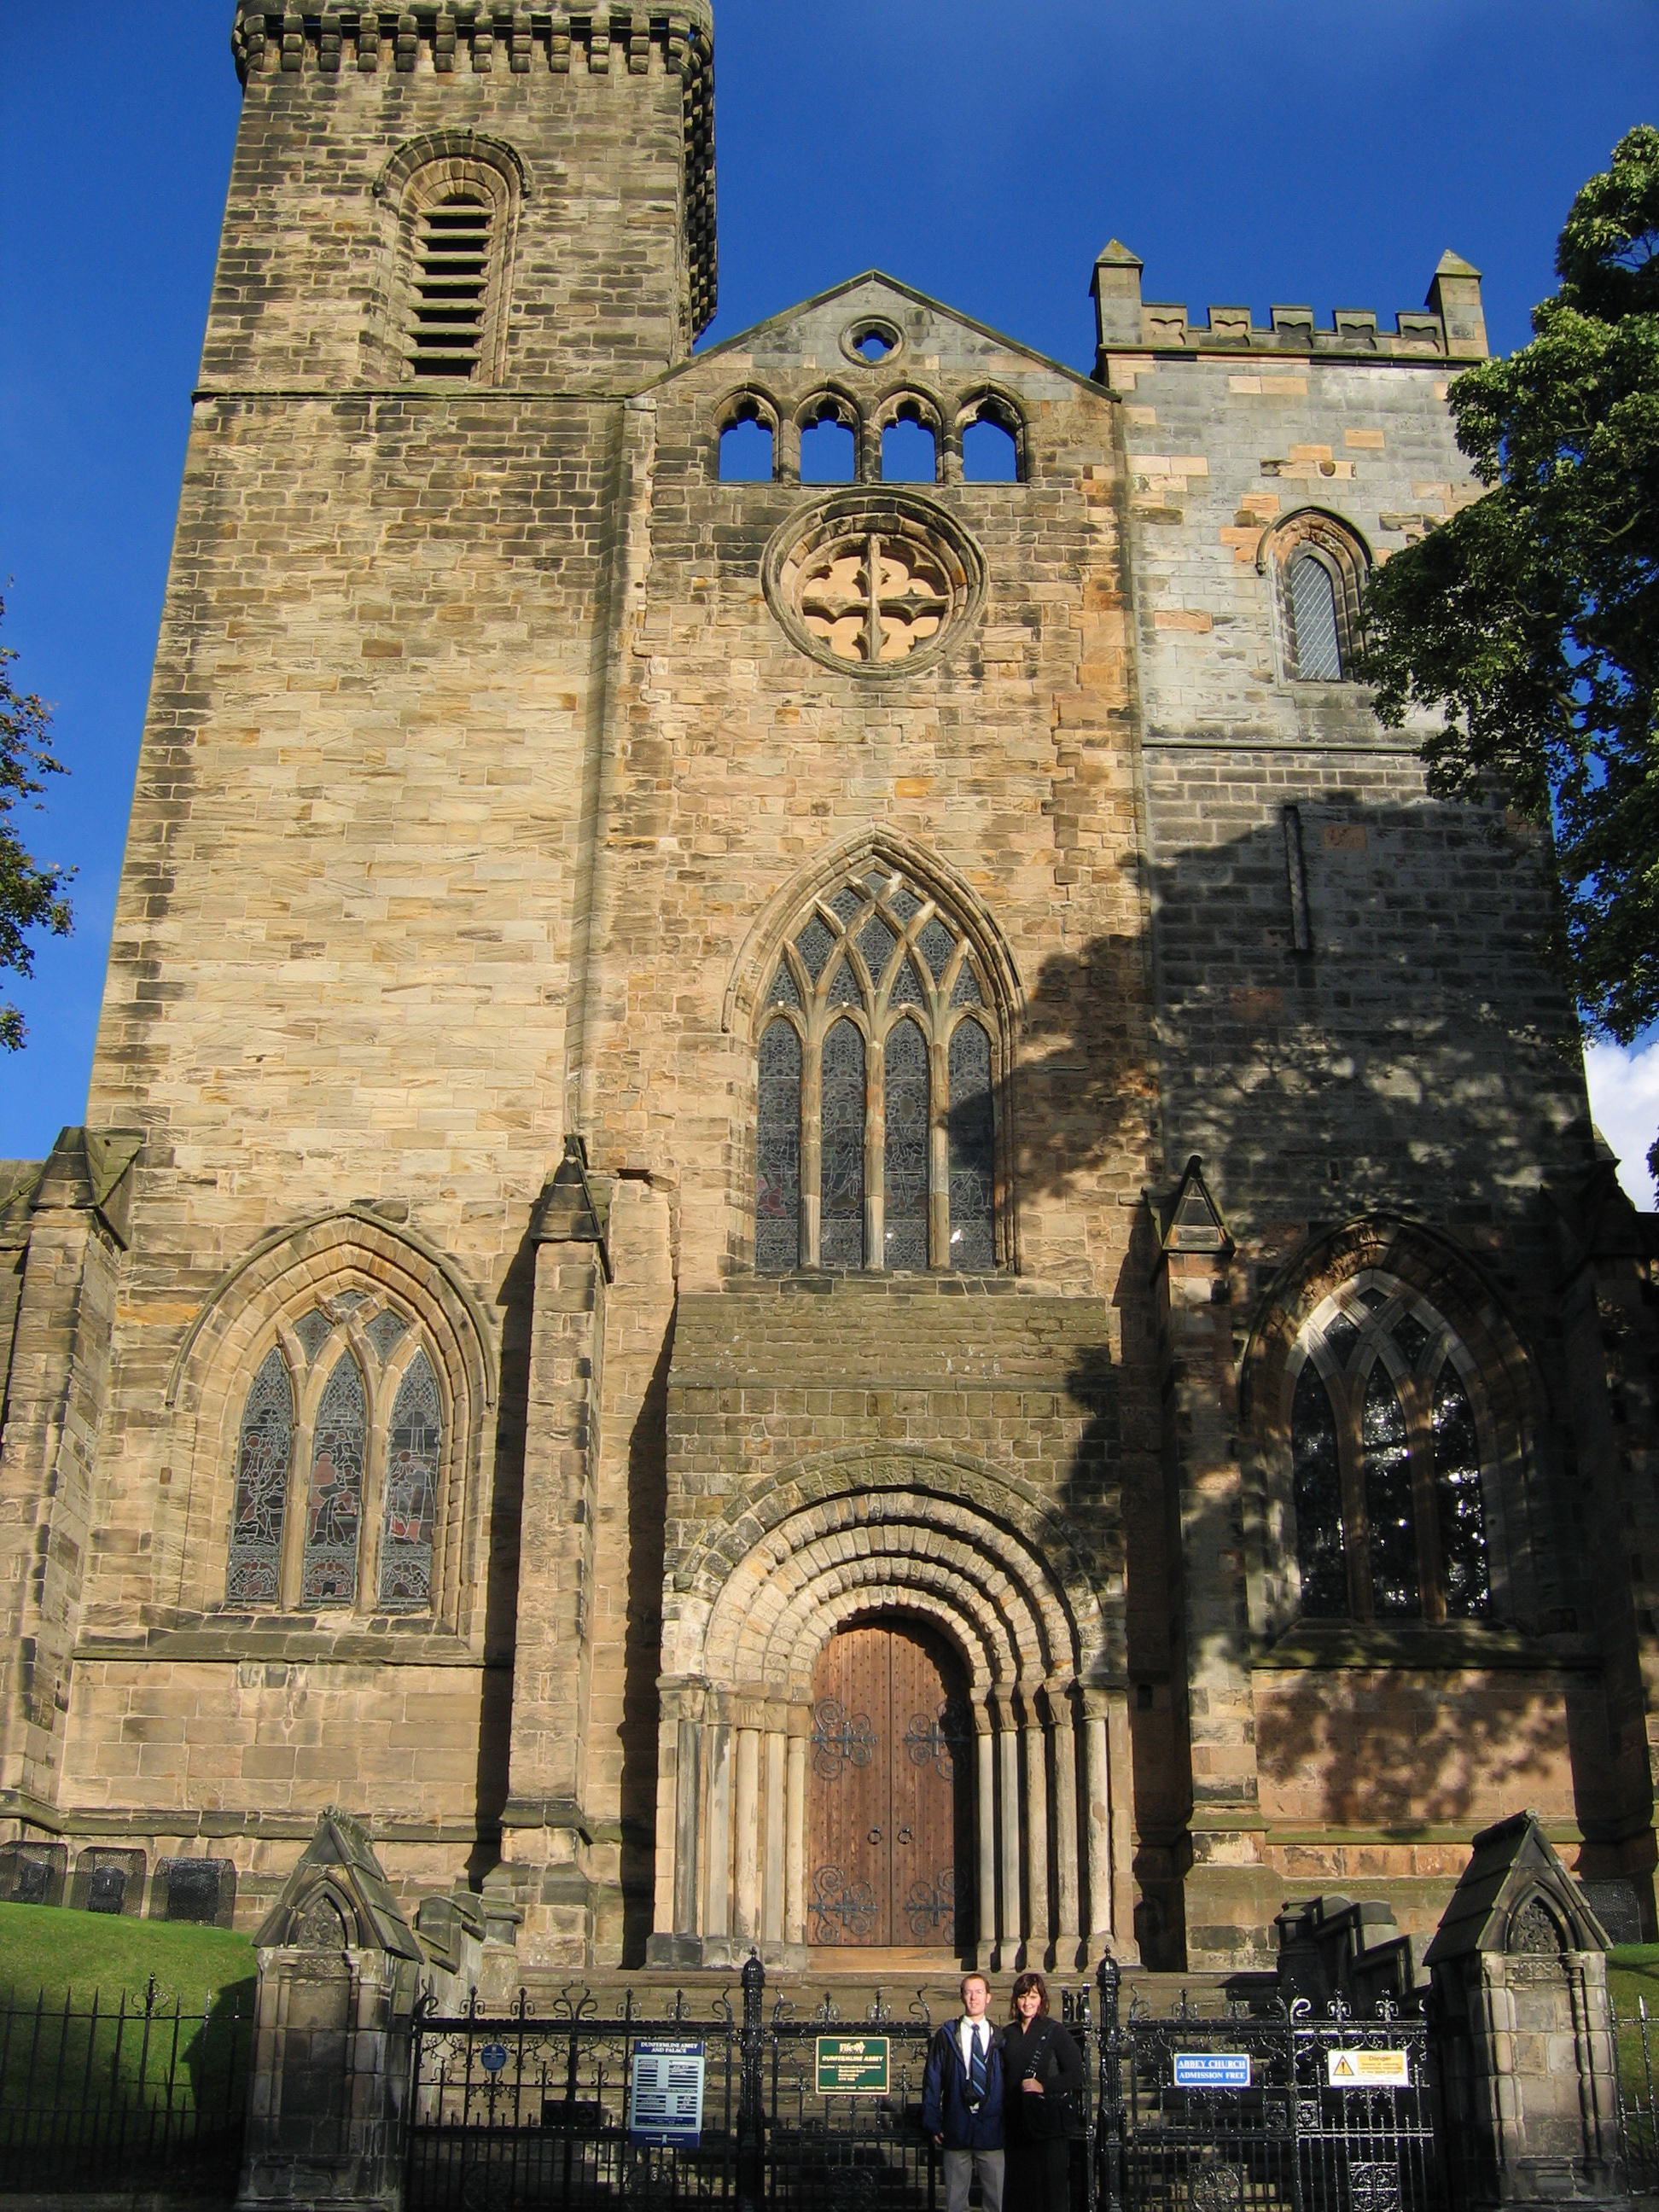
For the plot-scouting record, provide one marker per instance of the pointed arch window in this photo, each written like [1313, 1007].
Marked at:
[1318, 566]
[1386, 1479]
[876, 1124]
[414, 1455]
[264, 1449]
[334, 1501]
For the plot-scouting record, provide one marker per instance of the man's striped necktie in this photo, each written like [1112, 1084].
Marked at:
[976, 2067]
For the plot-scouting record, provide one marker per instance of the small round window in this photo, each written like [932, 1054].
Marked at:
[871, 340]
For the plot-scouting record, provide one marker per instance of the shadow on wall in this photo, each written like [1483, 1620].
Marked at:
[1354, 1013]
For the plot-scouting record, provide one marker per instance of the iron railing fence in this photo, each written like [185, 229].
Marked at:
[136, 2093]
[527, 2110]
[1638, 2119]
[1264, 2111]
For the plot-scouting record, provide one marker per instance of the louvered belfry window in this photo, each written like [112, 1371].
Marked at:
[453, 245]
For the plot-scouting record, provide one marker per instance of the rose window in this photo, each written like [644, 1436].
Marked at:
[874, 584]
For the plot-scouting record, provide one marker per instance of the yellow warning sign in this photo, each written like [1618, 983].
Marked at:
[1368, 2069]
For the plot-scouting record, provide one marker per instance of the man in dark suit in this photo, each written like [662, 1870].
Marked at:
[962, 2099]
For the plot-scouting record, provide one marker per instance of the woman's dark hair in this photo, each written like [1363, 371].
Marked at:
[1029, 1980]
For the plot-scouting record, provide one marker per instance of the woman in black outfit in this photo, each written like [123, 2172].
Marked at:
[1043, 2094]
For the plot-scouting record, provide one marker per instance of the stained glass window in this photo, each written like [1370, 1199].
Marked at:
[936, 944]
[1411, 1338]
[412, 1489]
[907, 989]
[314, 1330]
[783, 992]
[905, 1157]
[815, 944]
[334, 1503]
[846, 904]
[1457, 1487]
[777, 1153]
[966, 991]
[1389, 1505]
[843, 989]
[973, 1186]
[263, 1450]
[1313, 608]
[385, 1331]
[875, 942]
[1341, 1334]
[1316, 1483]
[841, 1169]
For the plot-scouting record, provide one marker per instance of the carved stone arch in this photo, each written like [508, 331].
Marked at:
[749, 403]
[904, 402]
[343, 1265]
[421, 170]
[829, 402]
[1021, 1543]
[991, 403]
[1342, 552]
[1440, 1282]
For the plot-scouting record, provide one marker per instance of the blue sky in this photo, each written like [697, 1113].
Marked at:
[1319, 151]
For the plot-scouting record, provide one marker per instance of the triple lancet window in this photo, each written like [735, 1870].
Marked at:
[876, 1129]
[338, 1462]
[1386, 1464]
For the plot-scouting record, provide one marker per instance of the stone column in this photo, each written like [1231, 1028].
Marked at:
[984, 1766]
[717, 1880]
[679, 1821]
[1068, 1950]
[1126, 1946]
[1098, 1820]
[794, 1849]
[772, 1917]
[746, 1919]
[1036, 1829]
[1008, 1929]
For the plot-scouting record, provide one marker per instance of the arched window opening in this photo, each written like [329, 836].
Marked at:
[1457, 1490]
[1387, 1476]
[1317, 1480]
[264, 1449]
[843, 1147]
[777, 1147]
[1389, 1512]
[452, 249]
[334, 1503]
[747, 454]
[989, 453]
[904, 1180]
[909, 450]
[972, 1155]
[415, 1451]
[885, 1013]
[1316, 649]
[829, 450]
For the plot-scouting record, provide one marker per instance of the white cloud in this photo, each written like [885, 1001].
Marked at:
[1624, 1092]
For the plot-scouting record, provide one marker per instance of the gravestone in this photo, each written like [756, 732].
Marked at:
[199, 1890]
[1528, 2061]
[1616, 1906]
[32, 1874]
[108, 1882]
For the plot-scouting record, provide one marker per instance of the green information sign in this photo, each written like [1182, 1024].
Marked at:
[852, 2064]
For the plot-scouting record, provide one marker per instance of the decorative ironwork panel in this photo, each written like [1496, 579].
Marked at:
[1457, 1487]
[842, 1152]
[972, 1152]
[906, 1147]
[840, 1739]
[412, 1489]
[1316, 1484]
[1388, 1506]
[841, 1910]
[264, 1449]
[929, 1907]
[334, 1504]
[777, 1153]
[935, 1740]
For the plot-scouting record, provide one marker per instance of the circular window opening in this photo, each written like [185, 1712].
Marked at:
[874, 584]
[871, 340]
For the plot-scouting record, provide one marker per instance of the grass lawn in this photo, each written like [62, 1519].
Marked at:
[54, 1948]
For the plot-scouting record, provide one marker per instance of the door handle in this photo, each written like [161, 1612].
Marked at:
[905, 1836]
[875, 1835]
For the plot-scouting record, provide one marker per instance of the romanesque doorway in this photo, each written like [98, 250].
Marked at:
[889, 1847]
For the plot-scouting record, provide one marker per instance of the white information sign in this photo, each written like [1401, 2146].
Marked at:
[1212, 2070]
[665, 2094]
[1368, 2069]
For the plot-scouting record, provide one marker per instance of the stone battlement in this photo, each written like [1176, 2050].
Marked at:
[471, 34]
[1450, 326]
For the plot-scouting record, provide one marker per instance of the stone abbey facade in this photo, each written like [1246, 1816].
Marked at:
[814, 1213]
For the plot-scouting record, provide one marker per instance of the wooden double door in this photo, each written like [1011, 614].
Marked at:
[889, 1805]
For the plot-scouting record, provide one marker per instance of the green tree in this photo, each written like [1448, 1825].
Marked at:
[31, 895]
[1530, 621]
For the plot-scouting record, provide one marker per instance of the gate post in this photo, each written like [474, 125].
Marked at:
[751, 2120]
[1108, 2139]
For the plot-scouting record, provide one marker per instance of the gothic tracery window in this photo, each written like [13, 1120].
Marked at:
[1386, 1463]
[1318, 566]
[356, 1406]
[876, 1124]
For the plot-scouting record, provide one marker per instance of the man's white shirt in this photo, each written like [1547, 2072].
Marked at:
[966, 2031]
